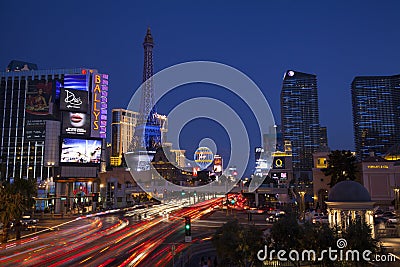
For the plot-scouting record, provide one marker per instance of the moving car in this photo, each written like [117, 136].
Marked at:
[276, 216]
[29, 220]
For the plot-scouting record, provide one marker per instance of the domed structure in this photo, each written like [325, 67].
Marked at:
[349, 191]
[347, 201]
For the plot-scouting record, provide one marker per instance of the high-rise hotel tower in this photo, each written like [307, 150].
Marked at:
[376, 114]
[300, 117]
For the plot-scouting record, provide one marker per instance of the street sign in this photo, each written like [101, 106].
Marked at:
[188, 239]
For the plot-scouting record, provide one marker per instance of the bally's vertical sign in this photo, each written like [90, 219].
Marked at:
[99, 105]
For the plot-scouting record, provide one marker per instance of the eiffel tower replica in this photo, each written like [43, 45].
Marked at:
[148, 131]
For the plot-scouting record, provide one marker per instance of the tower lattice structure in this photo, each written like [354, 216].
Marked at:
[149, 123]
[147, 102]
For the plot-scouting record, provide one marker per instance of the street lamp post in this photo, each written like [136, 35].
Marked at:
[302, 204]
[102, 195]
[396, 190]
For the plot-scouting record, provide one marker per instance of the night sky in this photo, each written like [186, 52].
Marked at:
[336, 40]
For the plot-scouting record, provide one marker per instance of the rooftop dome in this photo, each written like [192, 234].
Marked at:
[348, 191]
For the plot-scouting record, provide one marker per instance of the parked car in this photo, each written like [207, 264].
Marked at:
[378, 213]
[316, 215]
[394, 219]
[388, 214]
[378, 220]
[319, 219]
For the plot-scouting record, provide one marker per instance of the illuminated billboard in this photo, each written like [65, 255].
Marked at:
[76, 82]
[76, 124]
[99, 105]
[217, 164]
[82, 151]
[74, 100]
[39, 100]
[280, 175]
[35, 130]
[258, 152]
[279, 163]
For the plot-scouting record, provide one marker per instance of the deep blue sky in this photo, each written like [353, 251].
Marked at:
[336, 40]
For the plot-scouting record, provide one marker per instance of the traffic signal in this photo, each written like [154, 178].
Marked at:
[95, 197]
[187, 226]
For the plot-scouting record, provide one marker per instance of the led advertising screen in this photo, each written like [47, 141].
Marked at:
[74, 100]
[76, 124]
[76, 82]
[280, 176]
[82, 151]
[217, 164]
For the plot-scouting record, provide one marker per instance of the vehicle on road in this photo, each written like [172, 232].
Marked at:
[275, 216]
[29, 220]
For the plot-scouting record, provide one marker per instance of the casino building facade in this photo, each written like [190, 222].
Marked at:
[53, 130]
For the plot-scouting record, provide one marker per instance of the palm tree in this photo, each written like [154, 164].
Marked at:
[341, 166]
[27, 188]
[15, 199]
[237, 244]
[11, 208]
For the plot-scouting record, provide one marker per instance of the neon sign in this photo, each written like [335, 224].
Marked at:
[99, 105]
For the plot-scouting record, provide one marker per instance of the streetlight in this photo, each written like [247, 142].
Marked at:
[102, 195]
[396, 190]
[302, 204]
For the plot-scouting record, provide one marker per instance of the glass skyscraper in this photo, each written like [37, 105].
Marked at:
[376, 114]
[300, 117]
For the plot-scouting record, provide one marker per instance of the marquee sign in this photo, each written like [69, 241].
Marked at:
[99, 105]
